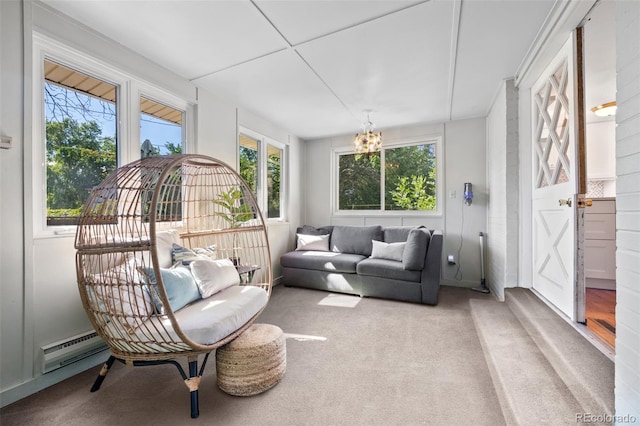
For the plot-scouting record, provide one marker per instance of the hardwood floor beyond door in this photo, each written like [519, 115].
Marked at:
[600, 313]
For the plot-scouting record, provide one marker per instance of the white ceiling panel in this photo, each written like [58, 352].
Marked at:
[397, 67]
[493, 39]
[191, 38]
[282, 88]
[313, 66]
[304, 20]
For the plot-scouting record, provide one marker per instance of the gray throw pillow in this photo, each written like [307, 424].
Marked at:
[311, 230]
[415, 250]
[397, 234]
[355, 239]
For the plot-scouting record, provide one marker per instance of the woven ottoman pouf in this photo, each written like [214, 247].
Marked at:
[253, 362]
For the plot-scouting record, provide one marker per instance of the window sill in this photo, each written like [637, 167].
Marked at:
[56, 232]
[393, 213]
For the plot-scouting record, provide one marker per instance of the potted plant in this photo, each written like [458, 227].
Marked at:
[235, 213]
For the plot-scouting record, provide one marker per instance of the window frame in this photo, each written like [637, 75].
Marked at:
[390, 144]
[129, 89]
[261, 186]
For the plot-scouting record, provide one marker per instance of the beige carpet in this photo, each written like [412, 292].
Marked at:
[350, 361]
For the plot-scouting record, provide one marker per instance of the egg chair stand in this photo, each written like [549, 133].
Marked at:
[192, 380]
[161, 245]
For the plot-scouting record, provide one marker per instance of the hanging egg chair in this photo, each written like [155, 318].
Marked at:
[172, 262]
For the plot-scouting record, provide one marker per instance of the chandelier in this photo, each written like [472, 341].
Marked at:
[367, 142]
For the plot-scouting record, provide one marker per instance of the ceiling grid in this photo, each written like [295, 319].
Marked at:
[313, 66]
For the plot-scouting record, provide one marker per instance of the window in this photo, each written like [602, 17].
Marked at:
[161, 131]
[274, 173]
[261, 166]
[249, 162]
[84, 129]
[359, 182]
[400, 177]
[81, 139]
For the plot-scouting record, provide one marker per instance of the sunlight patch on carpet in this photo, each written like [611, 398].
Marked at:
[303, 337]
[340, 300]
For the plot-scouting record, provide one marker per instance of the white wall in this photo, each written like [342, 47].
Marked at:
[601, 157]
[502, 178]
[464, 161]
[497, 183]
[39, 299]
[13, 366]
[627, 381]
[465, 150]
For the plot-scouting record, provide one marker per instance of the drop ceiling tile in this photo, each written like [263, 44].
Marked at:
[493, 40]
[191, 38]
[301, 21]
[282, 88]
[397, 66]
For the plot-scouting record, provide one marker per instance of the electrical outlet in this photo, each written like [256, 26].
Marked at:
[5, 142]
[451, 260]
[452, 194]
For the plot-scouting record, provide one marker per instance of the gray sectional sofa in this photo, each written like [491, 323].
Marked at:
[400, 263]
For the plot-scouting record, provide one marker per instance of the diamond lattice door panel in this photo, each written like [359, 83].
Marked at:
[552, 130]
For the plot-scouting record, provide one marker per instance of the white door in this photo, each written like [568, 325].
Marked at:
[554, 182]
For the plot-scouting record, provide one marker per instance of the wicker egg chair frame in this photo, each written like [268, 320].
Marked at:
[198, 199]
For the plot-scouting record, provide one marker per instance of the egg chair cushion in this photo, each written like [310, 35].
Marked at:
[209, 320]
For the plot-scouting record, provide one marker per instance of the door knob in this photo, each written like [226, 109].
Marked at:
[566, 202]
[585, 202]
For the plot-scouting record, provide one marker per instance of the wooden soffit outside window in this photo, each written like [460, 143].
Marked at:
[66, 77]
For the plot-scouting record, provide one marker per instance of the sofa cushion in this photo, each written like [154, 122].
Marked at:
[390, 251]
[355, 239]
[384, 268]
[306, 242]
[416, 249]
[396, 234]
[321, 261]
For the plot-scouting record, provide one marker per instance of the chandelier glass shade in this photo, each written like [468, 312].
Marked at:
[368, 141]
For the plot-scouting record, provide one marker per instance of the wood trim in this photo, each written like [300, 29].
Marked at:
[580, 140]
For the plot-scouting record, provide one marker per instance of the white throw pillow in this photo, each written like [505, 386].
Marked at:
[389, 251]
[214, 275]
[313, 242]
[121, 290]
[164, 242]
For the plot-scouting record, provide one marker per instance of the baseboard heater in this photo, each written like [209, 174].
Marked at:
[73, 349]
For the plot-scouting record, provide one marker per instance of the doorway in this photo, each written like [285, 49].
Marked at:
[600, 133]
